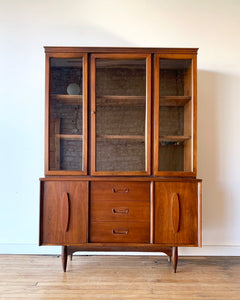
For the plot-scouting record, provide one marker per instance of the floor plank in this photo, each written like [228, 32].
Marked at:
[119, 277]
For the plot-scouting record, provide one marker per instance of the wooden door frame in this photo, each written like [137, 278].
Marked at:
[156, 171]
[147, 113]
[84, 114]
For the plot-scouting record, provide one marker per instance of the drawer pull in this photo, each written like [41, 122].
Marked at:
[175, 212]
[120, 190]
[65, 212]
[120, 210]
[120, 231]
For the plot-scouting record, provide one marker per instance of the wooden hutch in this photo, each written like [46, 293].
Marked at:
[120, 151]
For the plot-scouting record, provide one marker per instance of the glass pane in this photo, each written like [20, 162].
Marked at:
[175, 115]
[120, 114]
[65, 129]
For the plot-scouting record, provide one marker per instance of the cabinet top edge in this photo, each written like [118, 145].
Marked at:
[129, 179]
[54, 49]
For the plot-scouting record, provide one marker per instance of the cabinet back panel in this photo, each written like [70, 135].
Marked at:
[61, 77]
[120, 155]
[120, 81]
[171, 157]
[171, 120]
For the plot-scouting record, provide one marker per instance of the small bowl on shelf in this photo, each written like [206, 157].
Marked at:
[73, 89]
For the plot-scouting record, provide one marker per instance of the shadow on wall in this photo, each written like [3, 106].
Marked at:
[217, 154]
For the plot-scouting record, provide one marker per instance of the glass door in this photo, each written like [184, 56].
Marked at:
[120, 114]
[175, 117]
[66, 114]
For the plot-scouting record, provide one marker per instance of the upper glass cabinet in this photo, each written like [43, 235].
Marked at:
[67, 120]
[121, 108]
[174, 139]
[121, 111]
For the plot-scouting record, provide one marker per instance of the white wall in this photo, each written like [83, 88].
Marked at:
[27, 25]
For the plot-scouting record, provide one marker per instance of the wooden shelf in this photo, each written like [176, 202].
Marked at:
[140, 138]
[109, 100]
[67, 99]
[69, 136]
[174, 138]
[174, 100]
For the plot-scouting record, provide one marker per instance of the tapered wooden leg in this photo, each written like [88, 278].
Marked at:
[174, 258]
[64, 258]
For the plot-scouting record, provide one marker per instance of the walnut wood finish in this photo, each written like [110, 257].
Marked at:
[119, 211]
[119, 232]
[175, 207]
[64, 213]
[120, 247]
[174, 258]
[123, 215]
[120, 50]
[120, 179]
[84, 101]
[147, 170]
[149, 210]
[176, 213]
[118, 190]
[190, 116]
[64, 258]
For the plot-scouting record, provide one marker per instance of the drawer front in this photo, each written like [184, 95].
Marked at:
[136, 211]
[113, 190]
[119, 232]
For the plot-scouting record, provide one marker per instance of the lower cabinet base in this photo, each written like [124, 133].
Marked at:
[171, 252]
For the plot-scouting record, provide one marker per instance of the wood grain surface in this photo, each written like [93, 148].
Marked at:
[119, 277]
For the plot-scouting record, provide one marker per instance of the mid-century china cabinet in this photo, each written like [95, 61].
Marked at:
[120, 151]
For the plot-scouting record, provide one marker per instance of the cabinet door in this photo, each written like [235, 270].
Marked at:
[177, 213]
[63, 212]
[175, 115]
[120, 114]
[66, 114]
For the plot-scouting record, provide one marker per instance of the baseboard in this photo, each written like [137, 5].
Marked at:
[210, 250]
[206, 250]
[29, 249]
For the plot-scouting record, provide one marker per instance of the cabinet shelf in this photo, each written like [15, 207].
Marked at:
[113, 100]
[174, 100]
[67, 99]
[69, 136]
[108, 100]
[174, 138]
[136, 138]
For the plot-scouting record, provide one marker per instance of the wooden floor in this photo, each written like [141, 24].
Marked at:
[119, 277]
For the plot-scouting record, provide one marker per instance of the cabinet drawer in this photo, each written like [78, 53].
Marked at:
[119, 232]
[137, 211]
[120, 190]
